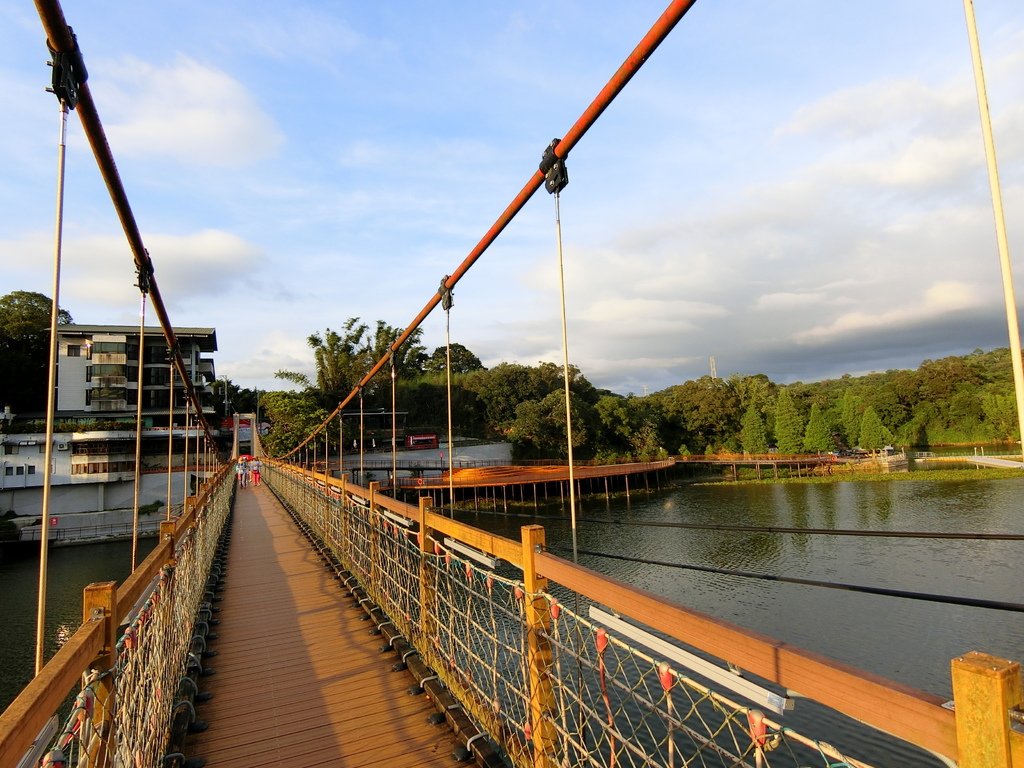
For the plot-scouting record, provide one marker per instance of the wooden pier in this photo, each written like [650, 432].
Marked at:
[298, 679]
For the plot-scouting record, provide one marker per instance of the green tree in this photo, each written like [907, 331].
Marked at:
[851, 414]
[539, 428]
[757, 391]
[628, 426]
[463, 361]
[25, 349]
[340, 359]
[1001, 415]
[873, 434]
[701, 412]
[409, 357]
[501, 389]
[753, 437]
[292, 416]
[817, 437]
[789, 426]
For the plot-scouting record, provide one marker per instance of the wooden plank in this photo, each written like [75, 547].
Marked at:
[299, 680]
[900, 710]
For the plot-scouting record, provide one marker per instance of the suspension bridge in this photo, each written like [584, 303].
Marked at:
[310, 618]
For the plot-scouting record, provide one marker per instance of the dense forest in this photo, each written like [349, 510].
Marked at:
[954, 400]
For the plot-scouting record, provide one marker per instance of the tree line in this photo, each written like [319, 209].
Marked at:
[966, 399]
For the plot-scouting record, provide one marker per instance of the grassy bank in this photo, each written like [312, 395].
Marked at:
[931, 475]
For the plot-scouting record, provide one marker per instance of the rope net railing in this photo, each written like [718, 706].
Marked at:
[620, 706]
[535, 671]
[130, 712]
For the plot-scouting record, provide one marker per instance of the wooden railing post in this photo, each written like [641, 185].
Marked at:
[985, 688]
[167, 532]
[99, 603]
[427, 590]
[543, 709]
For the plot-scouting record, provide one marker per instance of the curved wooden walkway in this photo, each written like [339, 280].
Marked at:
[507, 475]
[298, 680]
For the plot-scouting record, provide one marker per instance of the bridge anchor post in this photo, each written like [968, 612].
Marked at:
[985, 689]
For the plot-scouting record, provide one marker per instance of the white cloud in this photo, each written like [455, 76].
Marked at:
[785, 300]
[99, 271]
[192, 113]
[863, 111]
[939, 299]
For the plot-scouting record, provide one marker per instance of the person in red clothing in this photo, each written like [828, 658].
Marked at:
[254, 467]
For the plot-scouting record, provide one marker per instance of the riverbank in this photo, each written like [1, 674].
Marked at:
[931, 475]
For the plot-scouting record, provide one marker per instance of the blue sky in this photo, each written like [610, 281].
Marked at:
[796, 189]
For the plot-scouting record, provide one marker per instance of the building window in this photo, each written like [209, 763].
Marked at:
[31, 469]
[108, 347]
[8, 471]
[19, 470]
[74, 350]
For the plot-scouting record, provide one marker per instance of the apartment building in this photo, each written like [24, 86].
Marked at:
[98, 378]
[98, 372]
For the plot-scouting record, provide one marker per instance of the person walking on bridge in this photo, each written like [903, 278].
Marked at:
[255, 466]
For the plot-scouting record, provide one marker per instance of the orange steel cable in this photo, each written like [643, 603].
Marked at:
[654, 37]
[58, 35]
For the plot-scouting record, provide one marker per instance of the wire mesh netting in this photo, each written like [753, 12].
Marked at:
[548, 684]
[122, 716]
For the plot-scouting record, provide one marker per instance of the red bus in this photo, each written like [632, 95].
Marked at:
[425, 440]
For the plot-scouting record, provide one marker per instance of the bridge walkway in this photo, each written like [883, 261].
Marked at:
[298, 679]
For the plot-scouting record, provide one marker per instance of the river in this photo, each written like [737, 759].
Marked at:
[908, 641]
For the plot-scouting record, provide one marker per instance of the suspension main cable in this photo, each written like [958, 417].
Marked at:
[636, 59]
[972, 602]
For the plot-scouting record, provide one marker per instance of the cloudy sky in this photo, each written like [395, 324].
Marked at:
[795, 188]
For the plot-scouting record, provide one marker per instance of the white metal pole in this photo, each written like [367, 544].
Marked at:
[1009, 297]
[138, 431]
[51, 393]
[565, 376]
[170, 443]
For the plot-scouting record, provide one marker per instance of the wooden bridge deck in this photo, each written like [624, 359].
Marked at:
[298, 680]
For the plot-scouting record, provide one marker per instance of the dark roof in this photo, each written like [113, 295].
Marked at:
[206, 337]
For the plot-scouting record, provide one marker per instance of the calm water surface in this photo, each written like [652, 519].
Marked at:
[908, 641]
